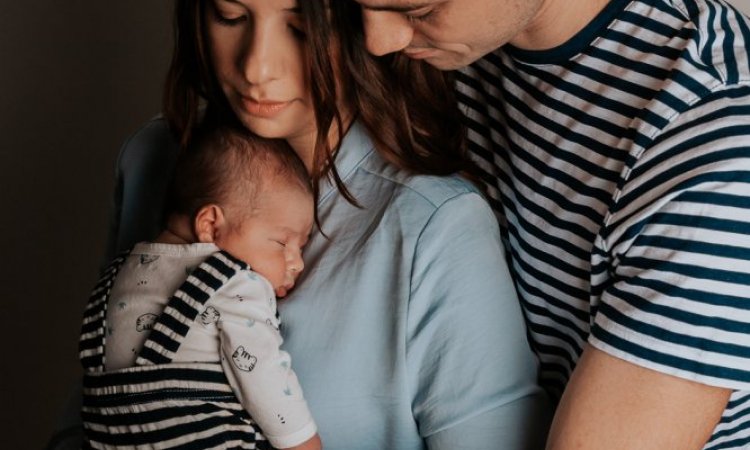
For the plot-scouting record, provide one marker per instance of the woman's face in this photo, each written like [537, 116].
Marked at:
[258, 55]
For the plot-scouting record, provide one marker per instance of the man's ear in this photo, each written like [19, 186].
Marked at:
[208, 222]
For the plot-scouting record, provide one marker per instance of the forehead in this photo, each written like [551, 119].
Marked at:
[281, 192]
[396, 5]
[292, 211]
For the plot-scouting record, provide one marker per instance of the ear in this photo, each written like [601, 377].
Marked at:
[208, 222]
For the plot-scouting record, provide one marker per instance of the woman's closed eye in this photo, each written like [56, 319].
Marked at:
[230, 21]
[228, 16]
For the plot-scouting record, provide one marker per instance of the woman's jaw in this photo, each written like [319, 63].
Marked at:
[289, 120]
[279, 119]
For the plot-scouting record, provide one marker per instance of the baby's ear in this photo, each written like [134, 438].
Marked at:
[207, 222]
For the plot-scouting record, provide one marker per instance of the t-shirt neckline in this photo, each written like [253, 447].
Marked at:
[573, 46]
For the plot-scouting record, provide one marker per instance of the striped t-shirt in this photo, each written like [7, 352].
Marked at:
[619, 166]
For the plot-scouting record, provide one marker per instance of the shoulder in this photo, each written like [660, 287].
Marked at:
[369, 176]
[429, 190]
[703, 103]
[152, 144]
[712, 37]
[238, 281]
[711, 136]
[670, 55]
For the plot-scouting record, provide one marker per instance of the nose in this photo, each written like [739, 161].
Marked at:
[261, 61]
[295, 264]
[386, 31]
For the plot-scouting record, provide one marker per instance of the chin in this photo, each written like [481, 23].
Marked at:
[265, 128]
[443, 63]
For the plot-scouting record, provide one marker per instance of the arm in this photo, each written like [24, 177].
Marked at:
[610, 403]
[474, 375]
[258, 370]
[669, 343]
[144, 168]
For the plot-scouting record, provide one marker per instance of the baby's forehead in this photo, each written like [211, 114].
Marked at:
[280, 180]
[286, 187]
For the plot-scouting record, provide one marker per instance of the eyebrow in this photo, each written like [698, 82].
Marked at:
[410, 6]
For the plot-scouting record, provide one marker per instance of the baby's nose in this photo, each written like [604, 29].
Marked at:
[296, 264]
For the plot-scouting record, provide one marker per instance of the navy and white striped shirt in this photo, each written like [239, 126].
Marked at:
[619, 166]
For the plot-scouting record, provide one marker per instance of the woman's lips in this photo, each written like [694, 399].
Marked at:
[263, 109]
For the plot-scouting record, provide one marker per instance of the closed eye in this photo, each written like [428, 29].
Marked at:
[230, 21]
[229, 16]
[420, 15]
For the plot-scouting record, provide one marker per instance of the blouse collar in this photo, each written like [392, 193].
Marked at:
[355, 148]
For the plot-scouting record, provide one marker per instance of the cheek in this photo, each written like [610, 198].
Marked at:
[296, 65]
[222, 55]
[467, 26]
[272, 267]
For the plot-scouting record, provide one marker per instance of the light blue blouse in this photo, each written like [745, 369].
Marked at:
[404, 329]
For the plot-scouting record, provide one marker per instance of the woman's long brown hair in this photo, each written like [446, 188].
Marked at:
[408, 107]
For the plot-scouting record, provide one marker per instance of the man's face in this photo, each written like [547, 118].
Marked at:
[448, 34]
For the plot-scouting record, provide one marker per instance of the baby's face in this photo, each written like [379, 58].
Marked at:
[271, 240]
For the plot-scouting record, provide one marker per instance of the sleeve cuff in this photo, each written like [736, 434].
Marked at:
[296, 438]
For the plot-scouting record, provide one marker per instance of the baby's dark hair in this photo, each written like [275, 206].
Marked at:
[229, 167]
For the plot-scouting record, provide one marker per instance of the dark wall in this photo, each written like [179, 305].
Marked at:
[76, 77]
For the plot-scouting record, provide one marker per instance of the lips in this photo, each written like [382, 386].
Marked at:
[282, 291]
[264, 108]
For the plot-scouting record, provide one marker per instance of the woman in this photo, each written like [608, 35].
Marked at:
[405, 330]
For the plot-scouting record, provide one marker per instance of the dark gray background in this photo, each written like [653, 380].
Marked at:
[76, 78]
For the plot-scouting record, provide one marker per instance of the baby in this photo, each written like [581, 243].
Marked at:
[180, 340]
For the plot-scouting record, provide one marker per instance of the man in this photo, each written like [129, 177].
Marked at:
[616, 135]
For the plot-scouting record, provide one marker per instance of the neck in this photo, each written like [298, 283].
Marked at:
[178, 231]
[304, 146]
[556, 22]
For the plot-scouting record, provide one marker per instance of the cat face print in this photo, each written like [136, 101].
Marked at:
[145, 322]
[210, 315]
[244, 360]
[148, 259]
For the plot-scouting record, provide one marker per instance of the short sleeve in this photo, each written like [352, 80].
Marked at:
[259, 371]
[672, 268]
[467, 351]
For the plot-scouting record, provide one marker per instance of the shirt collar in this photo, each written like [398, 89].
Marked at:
[355, 148]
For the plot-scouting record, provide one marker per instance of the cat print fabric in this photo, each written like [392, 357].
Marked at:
[145, 322]
[244, 360]
[147, 279]
[210, 315]
[148, 259]
[236, 326]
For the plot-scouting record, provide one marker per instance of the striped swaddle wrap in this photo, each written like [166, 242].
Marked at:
[159, 403]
